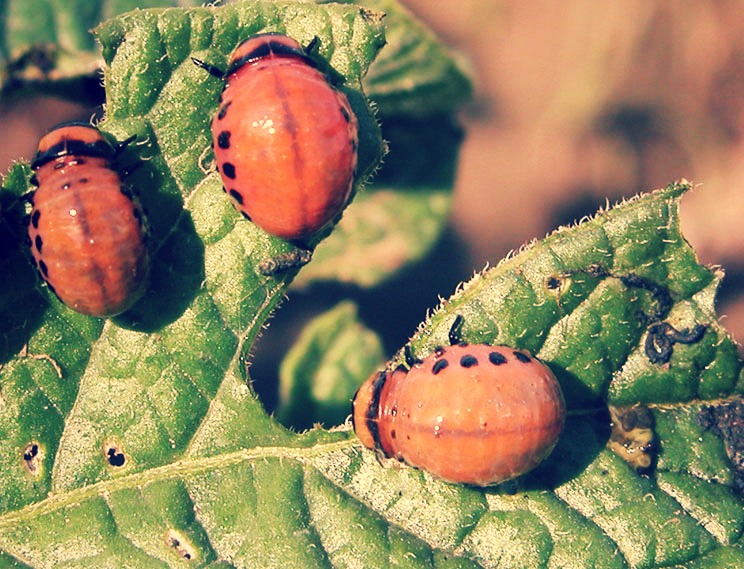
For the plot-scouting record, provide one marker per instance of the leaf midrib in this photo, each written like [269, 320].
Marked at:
[178, 469]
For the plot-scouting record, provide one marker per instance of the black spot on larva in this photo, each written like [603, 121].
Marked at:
[43, 268]
[468, 361]
[524, 358]
[439, 365]
[38, 243]
[83, 180]
[35, 218]
[393, 434]
[245, 215]
[496, 358]
[237, 196]
[34, 180]
[51, 288]
[228, 169]
[80, 161]
[345, 114]
[223, 111]
[223, 139]
[219, 99]
[59, 165]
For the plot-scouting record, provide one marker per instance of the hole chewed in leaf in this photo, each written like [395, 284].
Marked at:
[661, 336]
[175, 540]
[114, 454]
[633, 437]
[33, 457]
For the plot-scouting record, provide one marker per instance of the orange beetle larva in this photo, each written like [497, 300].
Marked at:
[285, 138]
[87, 231]
[470, 414]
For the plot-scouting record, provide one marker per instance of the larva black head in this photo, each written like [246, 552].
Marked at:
[366, 409]
[72, 139]
[267, 45]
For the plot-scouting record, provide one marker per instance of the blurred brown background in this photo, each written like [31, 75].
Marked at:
[579, 102]
[576, 103]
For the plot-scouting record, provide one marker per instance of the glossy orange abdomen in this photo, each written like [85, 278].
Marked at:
[470, 414]
[285, 139]
[87, 231]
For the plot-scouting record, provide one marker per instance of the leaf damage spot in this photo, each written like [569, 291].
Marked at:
[33, 458]
[284, 262]
[662, 336]
[114, 454]
[633, 438]
[175, 540]
[726, 421]
[558, 284]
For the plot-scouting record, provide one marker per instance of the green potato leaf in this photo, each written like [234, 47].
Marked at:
[48, 44]
[321, 372]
